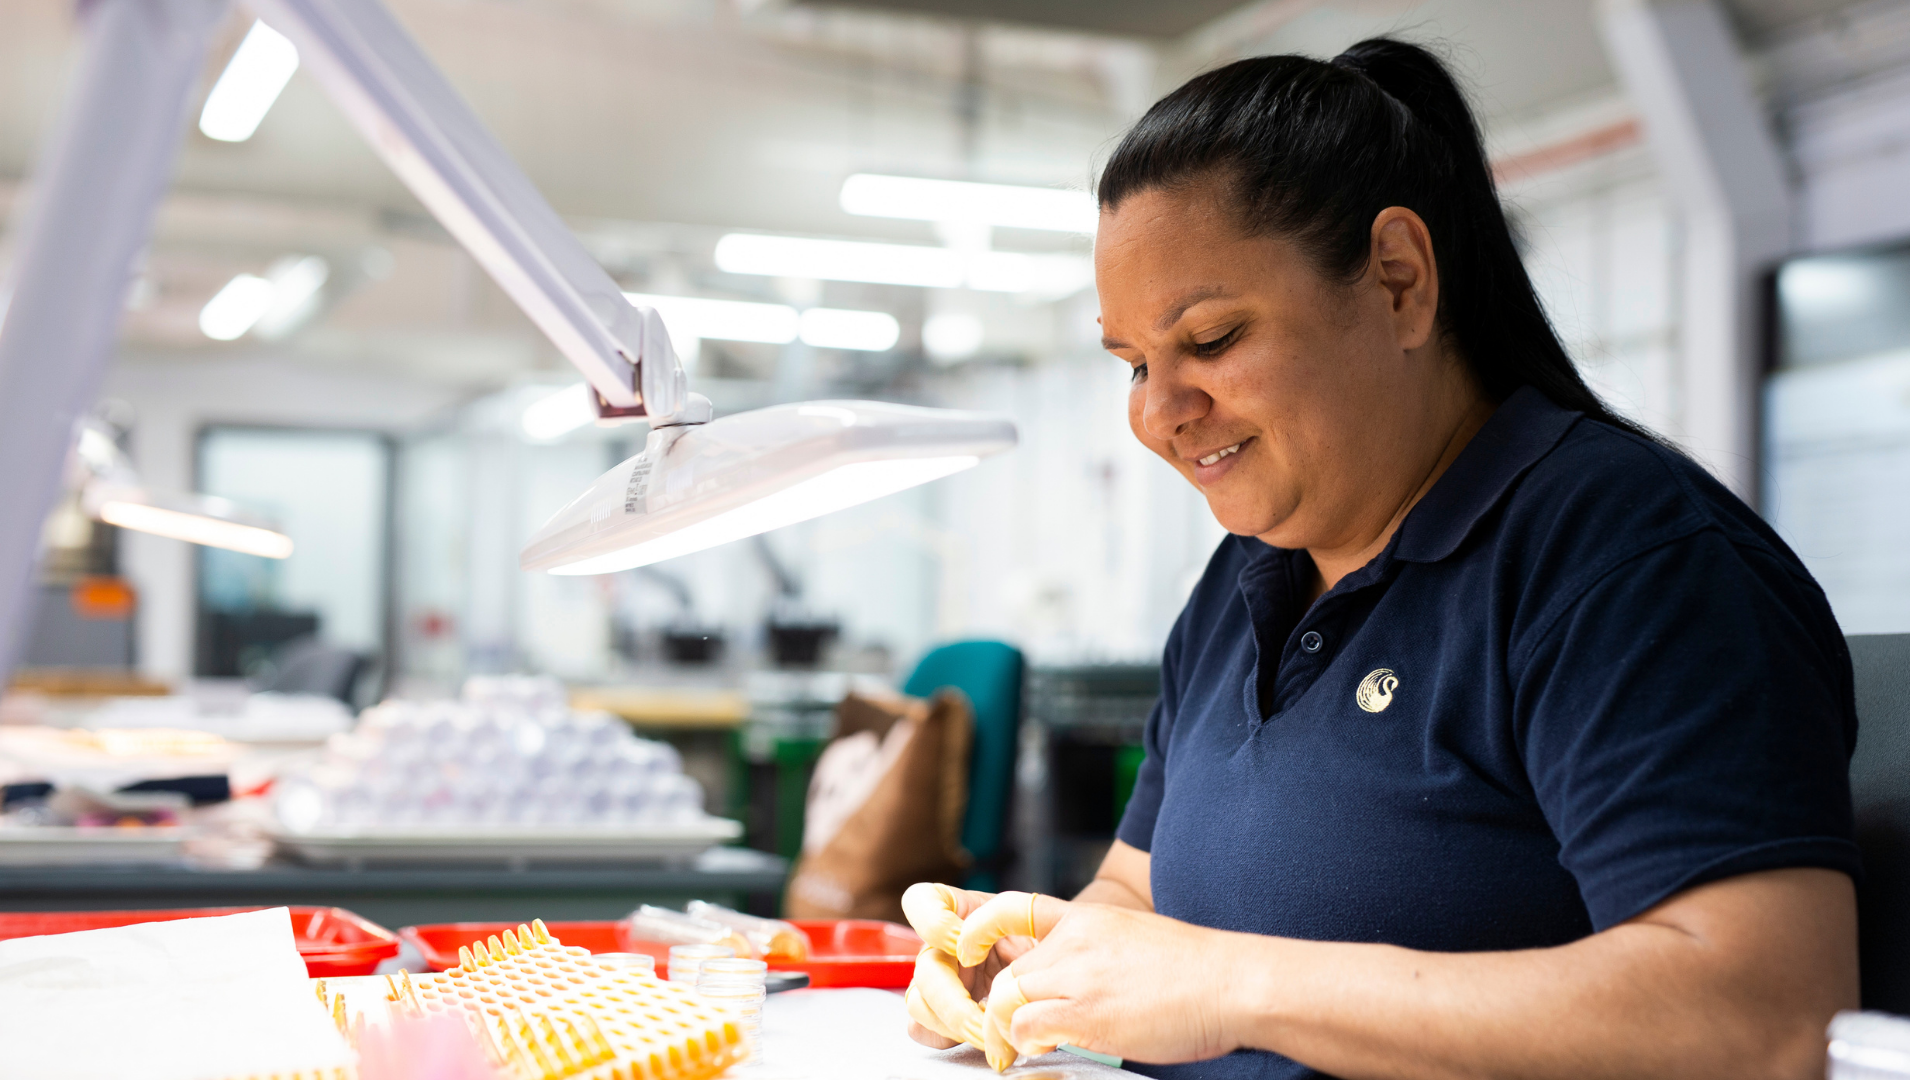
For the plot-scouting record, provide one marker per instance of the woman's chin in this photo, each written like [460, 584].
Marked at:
[1243, 522]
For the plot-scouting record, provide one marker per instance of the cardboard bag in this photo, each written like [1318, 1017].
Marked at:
[885, 807]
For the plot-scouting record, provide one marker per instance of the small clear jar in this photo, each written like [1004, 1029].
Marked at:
[685, 960]
[739, 986]
[641, 963]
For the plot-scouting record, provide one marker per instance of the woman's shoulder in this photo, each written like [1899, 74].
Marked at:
[1611, 513]
[1605, 487]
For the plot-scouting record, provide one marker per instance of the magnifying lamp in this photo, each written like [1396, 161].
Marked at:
[695, 486]
[697, 483]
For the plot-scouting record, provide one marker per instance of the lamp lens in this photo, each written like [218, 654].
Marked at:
[837, 489]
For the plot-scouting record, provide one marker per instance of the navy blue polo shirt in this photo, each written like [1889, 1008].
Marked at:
[1581, 678]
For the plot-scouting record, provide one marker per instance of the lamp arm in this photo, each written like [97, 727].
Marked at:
[419, 124]
[96, 186]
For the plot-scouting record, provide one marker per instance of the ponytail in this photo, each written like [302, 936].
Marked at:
[1312, 151]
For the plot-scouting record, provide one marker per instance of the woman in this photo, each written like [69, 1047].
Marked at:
[1498, 739]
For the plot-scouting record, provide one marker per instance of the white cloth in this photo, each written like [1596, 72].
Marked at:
[863, 1035]
[192, 999]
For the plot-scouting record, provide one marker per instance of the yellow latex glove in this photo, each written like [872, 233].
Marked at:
[1007, 915]
[935, 912]
[938, 997]
[938, 1000]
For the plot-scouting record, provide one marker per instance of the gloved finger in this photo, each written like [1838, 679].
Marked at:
[1009, 913]
[1004, 997]
[942, 993]
[1041, 1026]
[936, 913]
[926, 1018]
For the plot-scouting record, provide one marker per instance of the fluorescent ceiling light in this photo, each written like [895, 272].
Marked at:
[559, 413]
[692, 319]
[833, 328]
[722, 320]
[233, 309]
[1045, 275]
[251, 82]
[1002, 205]
[296, 281]
[901, 264]
[196, 519]
[699, 486]
[952, 336]
[839, 260]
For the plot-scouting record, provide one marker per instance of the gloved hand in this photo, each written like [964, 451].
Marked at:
[971, 938]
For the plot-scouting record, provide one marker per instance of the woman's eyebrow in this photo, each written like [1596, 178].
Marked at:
[1179, 307]
[1175, 311]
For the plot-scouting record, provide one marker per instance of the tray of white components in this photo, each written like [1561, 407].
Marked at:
[512, 845]
[57, 845]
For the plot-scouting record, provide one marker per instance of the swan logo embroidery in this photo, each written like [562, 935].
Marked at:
[1376, 690]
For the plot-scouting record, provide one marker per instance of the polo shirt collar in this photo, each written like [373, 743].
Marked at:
[1520, 432]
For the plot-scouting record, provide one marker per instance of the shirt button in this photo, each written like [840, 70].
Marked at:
[1311, 641]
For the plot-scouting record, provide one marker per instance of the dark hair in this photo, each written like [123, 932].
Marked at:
[1312, 151]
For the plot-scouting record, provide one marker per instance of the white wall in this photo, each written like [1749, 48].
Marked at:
[173, 400]
[1602, 249]
[1852, 153]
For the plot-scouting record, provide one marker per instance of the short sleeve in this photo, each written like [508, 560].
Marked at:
[1150, 781]
[1688, 718]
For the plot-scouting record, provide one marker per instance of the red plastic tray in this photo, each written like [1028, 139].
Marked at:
[844, 952]
[439, 943]
[856, 952]
[332, 941]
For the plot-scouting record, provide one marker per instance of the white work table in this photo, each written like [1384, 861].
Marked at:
[863, 1035]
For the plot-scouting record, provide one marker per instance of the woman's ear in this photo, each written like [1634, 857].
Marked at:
[1402, 261]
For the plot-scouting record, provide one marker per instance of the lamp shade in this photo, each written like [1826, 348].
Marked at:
[695, 487]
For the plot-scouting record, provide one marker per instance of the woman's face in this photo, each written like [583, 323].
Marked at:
[1304, 410]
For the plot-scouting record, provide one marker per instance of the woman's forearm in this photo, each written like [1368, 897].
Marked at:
[1116, 893]
[1124, 879]
[1735, 979]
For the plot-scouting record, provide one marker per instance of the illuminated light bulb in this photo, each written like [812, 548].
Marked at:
[840, 260]
[296, 281]
[235, 308]
[559, 413]
[1001, 205]
[196, 528]
[952, 336]
[833, 328]
[251, 82]
[722, 320]
[902, 264]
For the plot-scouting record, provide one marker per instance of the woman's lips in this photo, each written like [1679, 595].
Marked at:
[1217, 463]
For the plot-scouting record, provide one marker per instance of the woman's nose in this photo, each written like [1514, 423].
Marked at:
[1169, 403]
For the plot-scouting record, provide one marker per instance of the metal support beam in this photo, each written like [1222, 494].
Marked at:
[92, 205]
[1712, 142]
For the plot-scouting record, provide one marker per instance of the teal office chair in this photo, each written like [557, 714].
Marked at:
[989, 673]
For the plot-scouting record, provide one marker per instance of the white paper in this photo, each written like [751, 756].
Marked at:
[192, 999]
[863, 1035]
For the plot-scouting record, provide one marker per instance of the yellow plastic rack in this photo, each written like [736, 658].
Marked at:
[550, 1012]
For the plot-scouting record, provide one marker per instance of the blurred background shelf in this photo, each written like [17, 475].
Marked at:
[393, 896]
